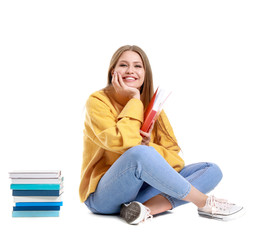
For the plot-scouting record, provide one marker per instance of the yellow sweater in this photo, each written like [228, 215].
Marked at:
[110, 130]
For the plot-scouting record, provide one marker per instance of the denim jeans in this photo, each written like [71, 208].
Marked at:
[142, 173]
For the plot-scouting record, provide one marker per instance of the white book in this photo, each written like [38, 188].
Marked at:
[35, 174]
[37, 199]
[160, 99]
[37, 180]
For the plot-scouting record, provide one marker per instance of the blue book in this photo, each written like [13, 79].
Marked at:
[36, 192]
[35, 186]
[37, 208]
[25, 204]
[35, 213]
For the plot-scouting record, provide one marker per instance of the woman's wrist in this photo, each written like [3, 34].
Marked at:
[137, 96]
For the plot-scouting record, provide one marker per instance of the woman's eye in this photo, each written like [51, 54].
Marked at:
[122, 65]
[138, 66]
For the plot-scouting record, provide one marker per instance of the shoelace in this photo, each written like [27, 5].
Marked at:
[219, 204]
[147, 215]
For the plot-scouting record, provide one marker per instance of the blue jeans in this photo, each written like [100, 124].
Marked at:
[142, 173]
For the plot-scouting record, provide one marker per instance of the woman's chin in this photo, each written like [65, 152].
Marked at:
[131, 84]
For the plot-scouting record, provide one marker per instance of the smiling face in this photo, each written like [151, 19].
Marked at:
[131, 68]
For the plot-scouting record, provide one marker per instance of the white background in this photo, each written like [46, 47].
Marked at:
[53, 54]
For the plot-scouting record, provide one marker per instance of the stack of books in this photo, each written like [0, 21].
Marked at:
[36, 193]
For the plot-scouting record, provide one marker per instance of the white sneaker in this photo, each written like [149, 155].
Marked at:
[220, 209]
[135, 212]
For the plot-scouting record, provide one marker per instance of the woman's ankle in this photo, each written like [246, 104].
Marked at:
[158, 204]
[196, 197]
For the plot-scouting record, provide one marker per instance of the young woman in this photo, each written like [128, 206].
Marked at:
[134, 173]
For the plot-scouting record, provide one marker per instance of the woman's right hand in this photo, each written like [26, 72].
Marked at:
[122, 89]
[146, 136]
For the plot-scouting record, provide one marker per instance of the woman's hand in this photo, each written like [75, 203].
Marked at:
[146, 136]
[122, 89]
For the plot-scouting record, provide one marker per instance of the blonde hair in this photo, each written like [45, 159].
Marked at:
[147, 89]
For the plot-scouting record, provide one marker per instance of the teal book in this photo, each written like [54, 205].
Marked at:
[30, 204]
[35, 186]
[35, 213]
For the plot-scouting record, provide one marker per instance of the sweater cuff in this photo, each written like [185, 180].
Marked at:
[133, 109]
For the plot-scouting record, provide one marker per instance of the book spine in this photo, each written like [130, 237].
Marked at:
[26, 204]
[37, 180]
[44, 176]
[35, 186]
[35, 192]
[148, 121]
[36, 208]
[35, 213]
[17, 199]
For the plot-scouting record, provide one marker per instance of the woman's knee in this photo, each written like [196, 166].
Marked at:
[140, 154]
[217, 171]
[139, 151]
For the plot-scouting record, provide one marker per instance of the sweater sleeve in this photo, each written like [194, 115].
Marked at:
[111, 132]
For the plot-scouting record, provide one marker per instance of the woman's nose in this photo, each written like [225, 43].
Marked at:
[130, 69]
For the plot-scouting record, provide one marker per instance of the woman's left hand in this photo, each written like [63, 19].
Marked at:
[146, 136]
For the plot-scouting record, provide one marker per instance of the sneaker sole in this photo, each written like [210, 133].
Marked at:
[130, 213]
[233, 216]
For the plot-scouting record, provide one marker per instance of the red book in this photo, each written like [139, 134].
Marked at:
[154, 108]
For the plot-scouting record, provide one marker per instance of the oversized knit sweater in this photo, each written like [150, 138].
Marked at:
[110, 130]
